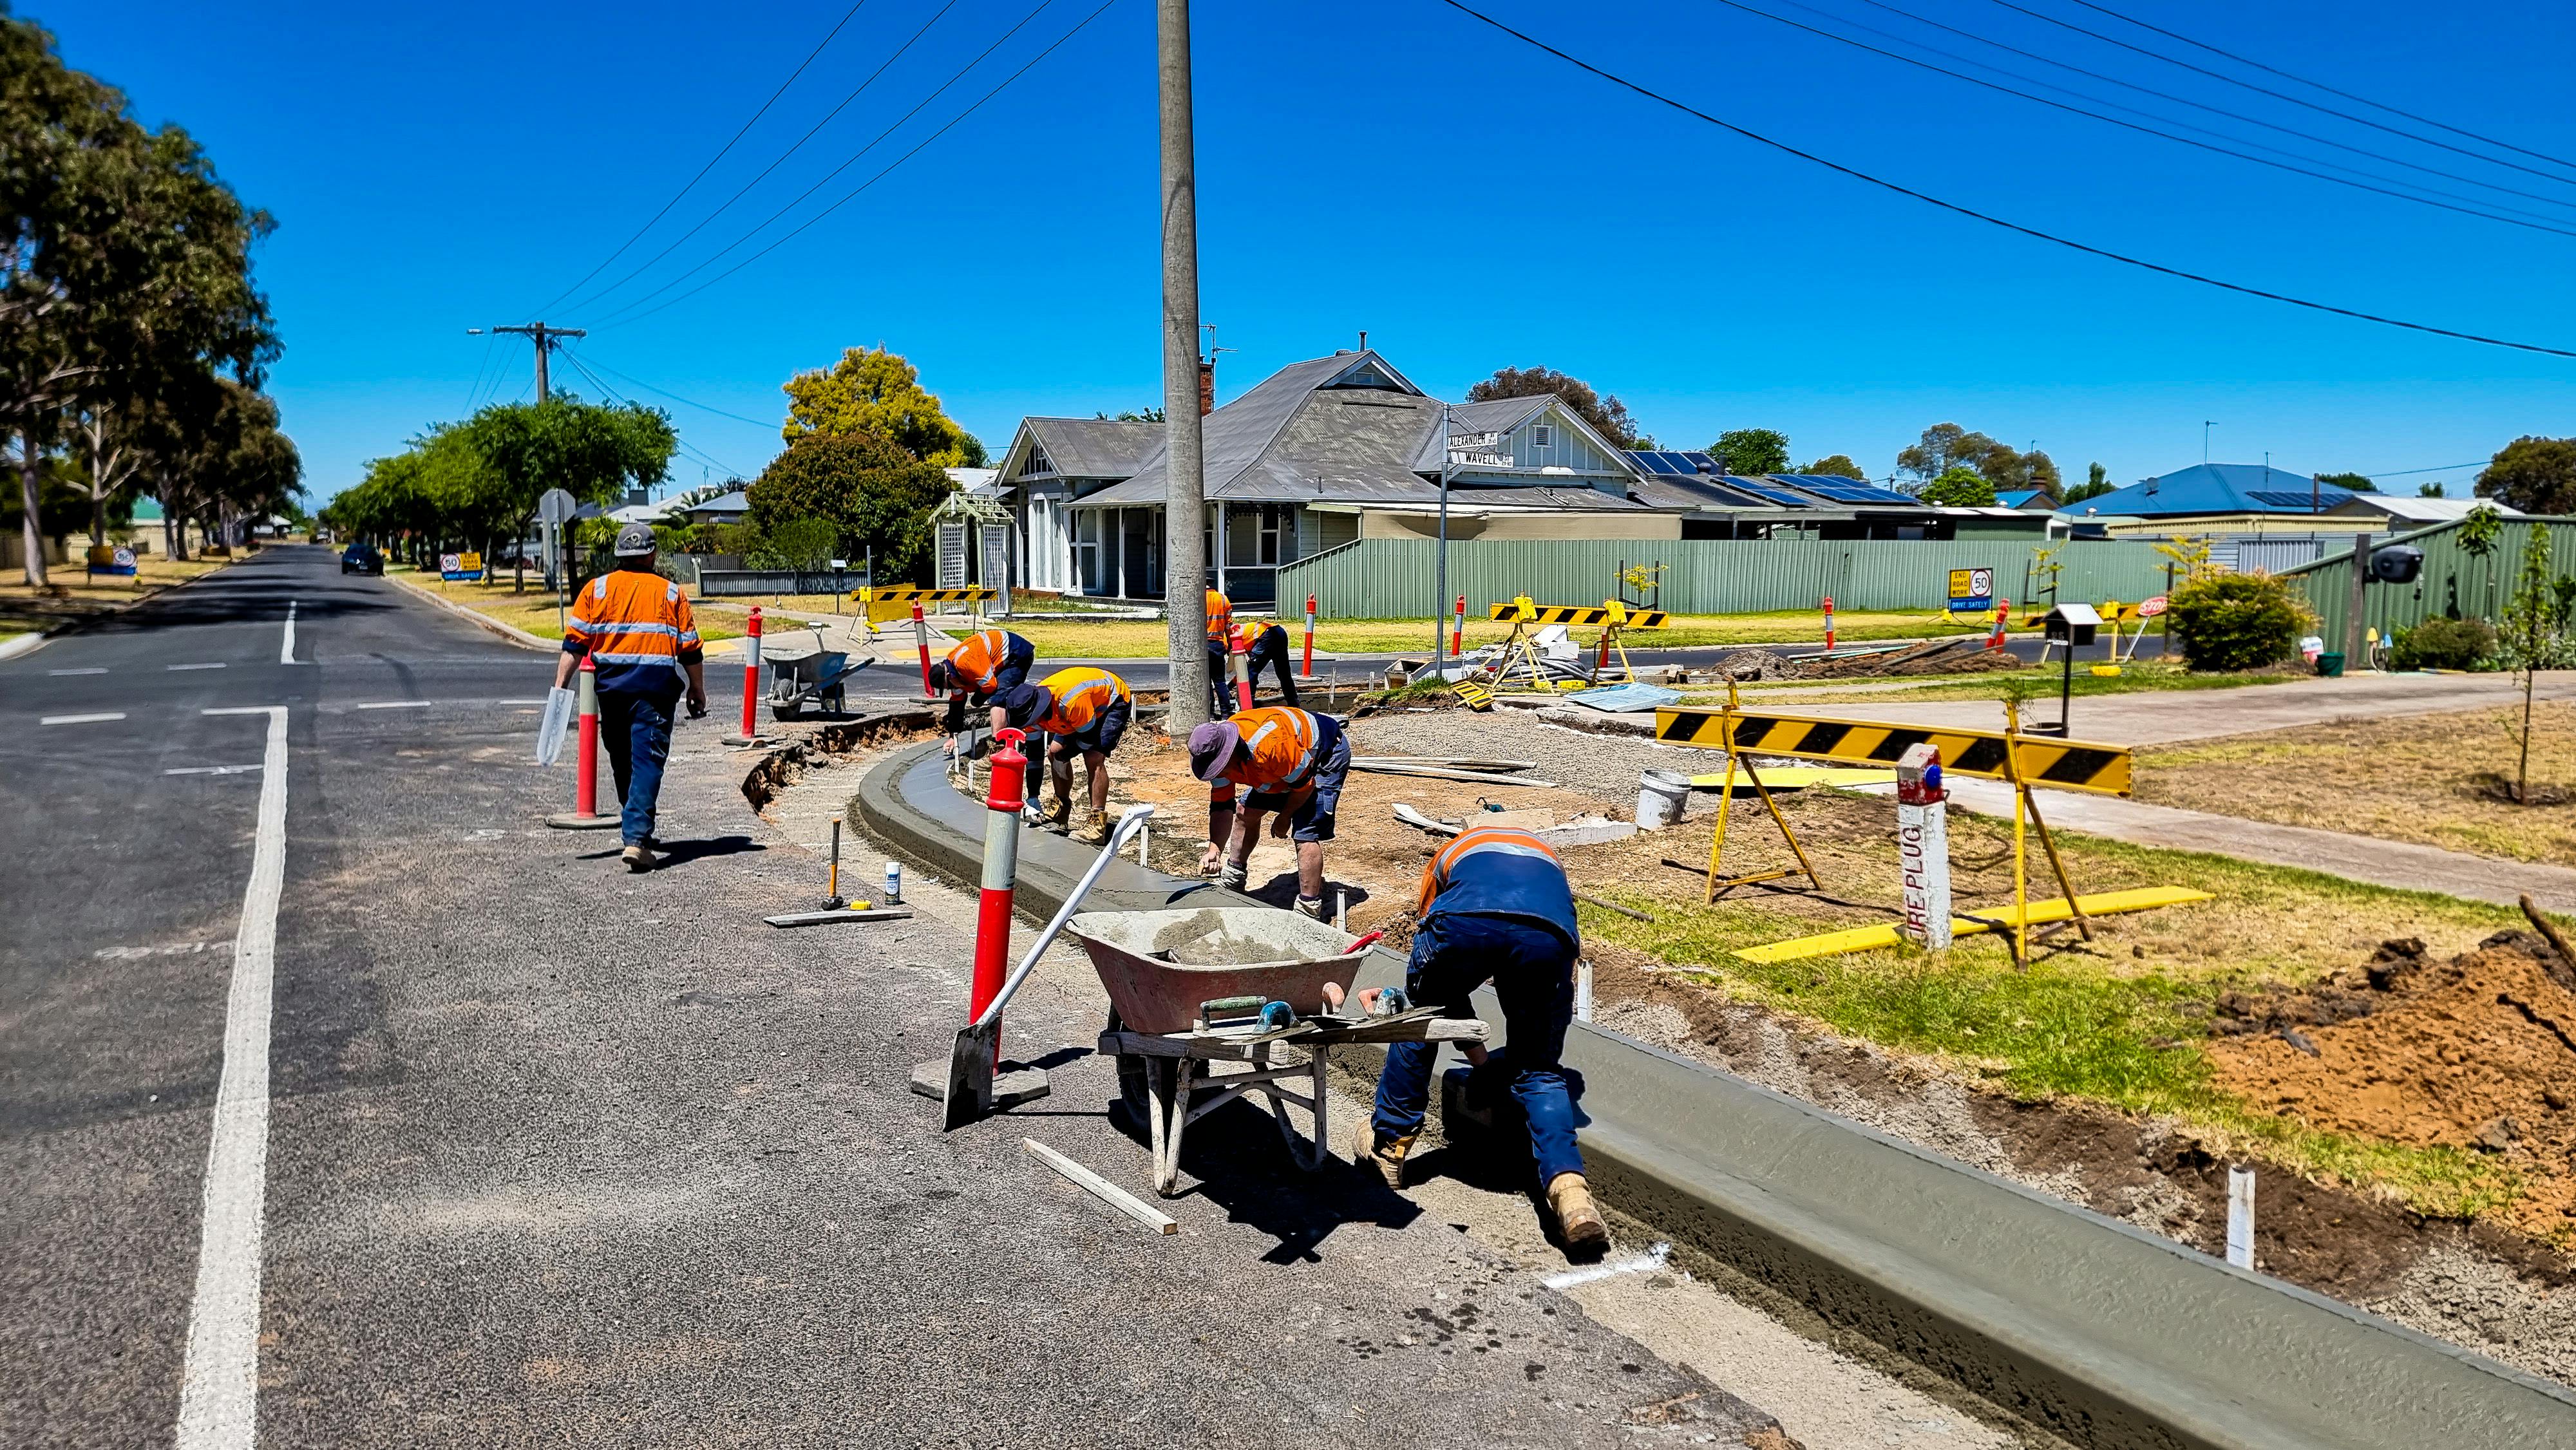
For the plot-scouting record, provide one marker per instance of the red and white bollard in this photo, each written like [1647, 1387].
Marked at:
[2003, 611]
[1458, 629]
[1829, 624]
[1238, 659]
[585, 778]
[1309, 671]
[750, 683]
[1002, 806]
[921, 640]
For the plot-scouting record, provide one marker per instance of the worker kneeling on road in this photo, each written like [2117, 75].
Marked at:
[1084, 711]
[1294, 763]
[1496, 905]
[979, 669]
[636, 627]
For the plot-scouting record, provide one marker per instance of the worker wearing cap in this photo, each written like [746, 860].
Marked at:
[1294, 764]
[1083, 711]
[636, 627]
[1495, 905]
[982, 666]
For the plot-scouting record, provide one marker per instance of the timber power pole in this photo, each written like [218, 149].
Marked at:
[1184, 498]
[547, 340]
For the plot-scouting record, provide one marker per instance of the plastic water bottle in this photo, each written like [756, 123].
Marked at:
[893, 882]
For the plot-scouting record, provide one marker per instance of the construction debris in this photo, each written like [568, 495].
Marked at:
[1102, 1189]
[1624, 699]
[1480, 777]
[860, 912]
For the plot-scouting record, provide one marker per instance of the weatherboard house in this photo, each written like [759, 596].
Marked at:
[1338, 449]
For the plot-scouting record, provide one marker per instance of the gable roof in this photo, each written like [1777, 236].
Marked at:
[1248, 441]
[2219, 488]
[2413, 509]
[1093, 447]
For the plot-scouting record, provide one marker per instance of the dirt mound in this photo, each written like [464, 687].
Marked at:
[2477, 1053]
[1956, 656]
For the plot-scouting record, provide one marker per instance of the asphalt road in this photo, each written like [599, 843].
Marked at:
[546, 1153]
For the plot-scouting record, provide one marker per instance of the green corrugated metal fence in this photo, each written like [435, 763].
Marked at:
[1394, 578]
[2455, 582]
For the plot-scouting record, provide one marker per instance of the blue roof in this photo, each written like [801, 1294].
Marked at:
[2218, 488]
[2013, 498]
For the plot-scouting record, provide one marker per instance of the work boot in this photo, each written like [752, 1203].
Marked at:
[1061, 817]
[1233, 874]
[1577, 1219]
[1311, 907]
[1097, 832]
[1385, 1154]
[638, 857]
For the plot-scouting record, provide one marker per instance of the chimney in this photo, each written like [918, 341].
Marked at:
[1207, 387]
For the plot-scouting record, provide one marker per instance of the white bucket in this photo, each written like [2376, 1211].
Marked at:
[1661, 797]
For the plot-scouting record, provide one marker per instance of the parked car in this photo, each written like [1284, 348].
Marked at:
[361, 559]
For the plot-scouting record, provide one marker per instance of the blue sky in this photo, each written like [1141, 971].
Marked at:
[1392, 166]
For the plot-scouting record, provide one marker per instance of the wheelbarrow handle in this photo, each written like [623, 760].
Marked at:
[1130, 822]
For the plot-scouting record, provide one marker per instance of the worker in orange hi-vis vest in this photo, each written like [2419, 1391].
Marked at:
[1495, 906]
[1083, 711]
[636, 627]
[1260, 643]
[1294, 764]
[980, 668]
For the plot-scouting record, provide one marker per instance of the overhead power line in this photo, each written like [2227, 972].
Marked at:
[1995, 221]
[720, 155]
[778, 161]
[681, 443]
[2503, 214]
[2322, 86]
[676, 398]
[628, 314]
[2276, 95]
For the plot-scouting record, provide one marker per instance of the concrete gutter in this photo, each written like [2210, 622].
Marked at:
[2104, 1334]
[510, 632]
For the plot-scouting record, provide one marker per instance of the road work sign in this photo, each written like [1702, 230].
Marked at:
[895, 601]
[1972, 590]
[2065, 764]
[468, 566]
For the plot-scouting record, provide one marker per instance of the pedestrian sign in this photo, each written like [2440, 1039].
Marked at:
[1972, 590]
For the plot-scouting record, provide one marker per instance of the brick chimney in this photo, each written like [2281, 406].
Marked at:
[1207, 387]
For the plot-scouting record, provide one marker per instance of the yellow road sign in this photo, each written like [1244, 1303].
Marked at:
[1609, 611]
[915, 594]
[2042, 760]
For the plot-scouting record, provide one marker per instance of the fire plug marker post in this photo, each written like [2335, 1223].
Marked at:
[750, 734]
[1923, 847]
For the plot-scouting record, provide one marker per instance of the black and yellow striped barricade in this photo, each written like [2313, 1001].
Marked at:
[1527, 617]
[886, 602]
[2024, 760]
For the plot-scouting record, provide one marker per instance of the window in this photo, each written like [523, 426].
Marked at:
[1542, 436]
[1270, 533]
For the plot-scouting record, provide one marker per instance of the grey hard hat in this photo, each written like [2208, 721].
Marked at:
[636, 540]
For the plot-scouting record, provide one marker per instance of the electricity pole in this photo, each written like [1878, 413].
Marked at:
[546, 338]
[1184, 483]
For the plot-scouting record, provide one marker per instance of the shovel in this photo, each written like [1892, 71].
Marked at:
[979, 1045]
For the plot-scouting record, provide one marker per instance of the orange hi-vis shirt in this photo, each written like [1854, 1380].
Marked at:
[1081, 694]
[978, 660]
[1220, 619]
[637, 629]
[1282, 746]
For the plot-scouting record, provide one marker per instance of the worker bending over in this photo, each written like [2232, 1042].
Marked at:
[636, 627]
[1294, 764]
[1083, 711]
[1495, 905]
[982, 666]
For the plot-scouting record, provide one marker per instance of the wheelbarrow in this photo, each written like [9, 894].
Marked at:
[1236, 984]
[801, 674]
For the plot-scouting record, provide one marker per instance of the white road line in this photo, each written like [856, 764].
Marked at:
[286, 650]
[90, 670]
[219, 1393]
[82, 719]
[210, 770]
[393, 705]
[1646, 1262]
[217, 665]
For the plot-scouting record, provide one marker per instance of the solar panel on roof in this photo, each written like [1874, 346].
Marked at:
[1678, 462]
[1702, 463]
[1771, 492]
[1848, 490]
[1652, 462]
[2284, 499]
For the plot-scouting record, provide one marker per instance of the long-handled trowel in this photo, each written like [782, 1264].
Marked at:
[971, 1064]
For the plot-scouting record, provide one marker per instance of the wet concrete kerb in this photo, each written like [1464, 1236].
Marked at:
[2087, 1327]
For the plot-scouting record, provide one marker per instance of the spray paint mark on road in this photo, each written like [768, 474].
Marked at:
[394, 705]
[211, 770]
[1645, 1263]
[286, 649]
[217, 665]
[100, 717]
[86, 670]
[219, 1391]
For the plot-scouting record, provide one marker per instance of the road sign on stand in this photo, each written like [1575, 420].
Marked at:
[1972, 590]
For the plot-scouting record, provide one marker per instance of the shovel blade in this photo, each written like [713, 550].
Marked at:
[970, 1076]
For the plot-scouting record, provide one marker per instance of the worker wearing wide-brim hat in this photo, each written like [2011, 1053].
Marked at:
[1083, 711]
[1495, 906]
[1294, 763]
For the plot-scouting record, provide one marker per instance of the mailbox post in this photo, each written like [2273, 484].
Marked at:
[2067, 626]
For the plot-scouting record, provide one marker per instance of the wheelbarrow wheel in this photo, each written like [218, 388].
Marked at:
[1132, 1091]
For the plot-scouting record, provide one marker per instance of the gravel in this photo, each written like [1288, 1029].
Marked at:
[1602, 765]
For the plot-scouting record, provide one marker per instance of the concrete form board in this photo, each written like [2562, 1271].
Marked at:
[2108, 1335]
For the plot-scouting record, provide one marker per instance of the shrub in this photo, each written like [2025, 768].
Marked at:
[2443, 644]
[2238, 621]
[875, 495]
[804, 544]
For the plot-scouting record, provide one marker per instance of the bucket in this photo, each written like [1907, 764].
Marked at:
[2330, 664]
[1661, 796]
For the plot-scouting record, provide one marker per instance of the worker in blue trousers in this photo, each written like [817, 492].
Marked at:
[1495, 905]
